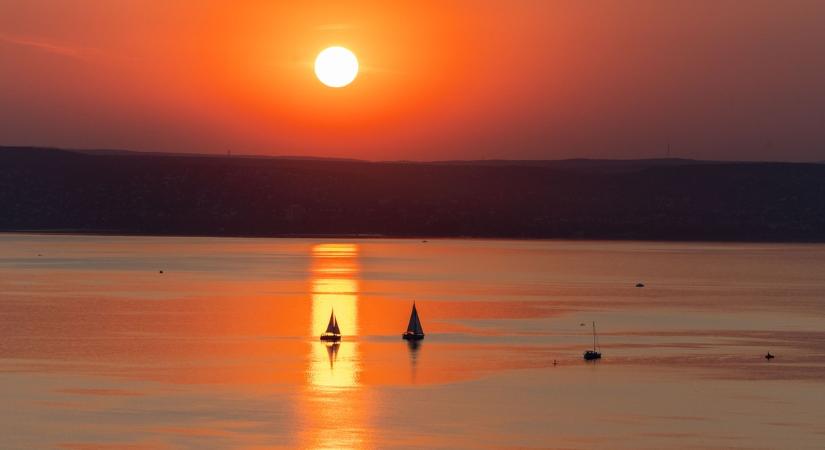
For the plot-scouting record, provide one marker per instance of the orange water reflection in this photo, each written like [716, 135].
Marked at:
[223, 346]
[335, 406]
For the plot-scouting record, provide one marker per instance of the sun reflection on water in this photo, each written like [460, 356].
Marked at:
[335, 402]
[335, 287]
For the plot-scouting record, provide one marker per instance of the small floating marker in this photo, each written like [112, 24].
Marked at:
[160, 271]
[640, 285]
[769, 357]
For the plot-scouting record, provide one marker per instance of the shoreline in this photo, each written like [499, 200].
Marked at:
[368, 236]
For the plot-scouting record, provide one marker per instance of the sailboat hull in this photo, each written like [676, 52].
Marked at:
[330, 337]
[412, 337]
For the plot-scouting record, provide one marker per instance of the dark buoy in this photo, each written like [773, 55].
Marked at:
[769, 357]
[640, 285]
[160, 271]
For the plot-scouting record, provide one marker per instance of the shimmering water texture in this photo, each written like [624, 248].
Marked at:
[99, 349]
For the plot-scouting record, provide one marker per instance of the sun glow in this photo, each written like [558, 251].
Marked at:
[336, 67]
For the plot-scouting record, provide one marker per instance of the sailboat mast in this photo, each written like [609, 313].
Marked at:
[594, 335]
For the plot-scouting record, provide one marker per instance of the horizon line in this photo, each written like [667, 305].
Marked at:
[232, 154]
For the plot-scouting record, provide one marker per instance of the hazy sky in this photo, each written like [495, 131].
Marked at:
[440, 80]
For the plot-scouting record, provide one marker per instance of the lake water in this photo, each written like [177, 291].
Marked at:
[99, 350]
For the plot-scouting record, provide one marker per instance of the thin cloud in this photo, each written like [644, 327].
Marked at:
[335, 27]
[49, 46]
[379, 69]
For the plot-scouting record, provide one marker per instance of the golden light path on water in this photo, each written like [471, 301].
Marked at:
[335, 404]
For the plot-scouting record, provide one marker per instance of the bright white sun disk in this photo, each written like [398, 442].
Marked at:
[336, 67]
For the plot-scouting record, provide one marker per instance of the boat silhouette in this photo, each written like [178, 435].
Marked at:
[591, 355]
[333, 333]
[414, 330]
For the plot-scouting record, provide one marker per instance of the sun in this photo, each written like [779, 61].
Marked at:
[336, 67]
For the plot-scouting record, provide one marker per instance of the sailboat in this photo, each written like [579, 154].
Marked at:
[414, 331]
[591, 355]
[333, 333]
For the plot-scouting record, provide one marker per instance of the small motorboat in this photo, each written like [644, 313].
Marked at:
[414, 330]
[769, 357]
[333, 333]
[591, 355]
[640, 285]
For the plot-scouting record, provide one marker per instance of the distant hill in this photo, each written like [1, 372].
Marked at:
[587, 165]
[667, 199]
[206, 155]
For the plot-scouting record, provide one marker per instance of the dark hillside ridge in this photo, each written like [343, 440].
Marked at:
[132, 193]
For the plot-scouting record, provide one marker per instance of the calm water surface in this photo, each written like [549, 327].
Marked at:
[99, 350]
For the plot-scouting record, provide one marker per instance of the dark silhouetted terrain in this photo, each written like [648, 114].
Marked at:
[113, 192]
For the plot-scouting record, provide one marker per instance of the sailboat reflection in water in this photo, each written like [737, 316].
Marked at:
[414, 330]
[332, 351]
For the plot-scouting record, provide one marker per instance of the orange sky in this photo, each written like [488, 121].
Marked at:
[439, 80]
